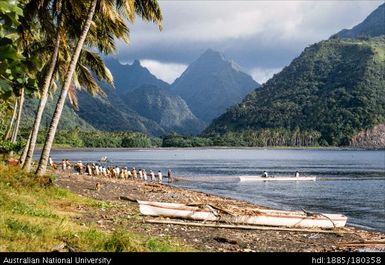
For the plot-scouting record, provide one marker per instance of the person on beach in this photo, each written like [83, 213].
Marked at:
[169, 175]
[296, 174]
[144, 175]
[152, 174]
[63, 165]
[264, 175]
[140, 173]
[97, 171]
[129, 174]
[112, 172]
[134, 173]
[121, 174]
[79, 167]
[89, 169]
[117, 172]
[68, 164]
[160, 176]
[51, 163]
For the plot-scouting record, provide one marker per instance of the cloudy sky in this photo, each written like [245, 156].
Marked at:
[261, 36]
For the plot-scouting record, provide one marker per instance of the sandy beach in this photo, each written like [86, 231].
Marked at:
[125, 214]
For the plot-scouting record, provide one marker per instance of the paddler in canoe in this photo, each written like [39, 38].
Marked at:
[264, 175]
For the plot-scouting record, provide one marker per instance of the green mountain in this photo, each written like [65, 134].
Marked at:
[335, 87]
[139, 102]
[372, 26]
[111, 114]
[169, 111]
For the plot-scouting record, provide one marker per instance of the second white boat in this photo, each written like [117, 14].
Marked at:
[278, 178]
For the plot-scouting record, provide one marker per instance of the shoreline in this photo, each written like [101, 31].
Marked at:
[278, 148]
[208, 238]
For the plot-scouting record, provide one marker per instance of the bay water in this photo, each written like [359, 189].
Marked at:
[349, 182]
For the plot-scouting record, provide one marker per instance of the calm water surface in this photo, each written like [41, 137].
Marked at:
[348, 181]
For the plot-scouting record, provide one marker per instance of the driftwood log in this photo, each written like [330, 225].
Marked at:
[249, 227]
[126, 198]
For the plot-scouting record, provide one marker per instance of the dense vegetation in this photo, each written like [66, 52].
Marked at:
[95, 139]
[75, 138]
[248, 138]
[335, 88]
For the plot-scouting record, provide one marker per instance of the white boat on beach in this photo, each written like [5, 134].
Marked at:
[258, 217]
[277, 178]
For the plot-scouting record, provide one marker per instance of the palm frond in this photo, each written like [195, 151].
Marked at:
[86, 81]
[149, 10]
[95, 63]
[73, 99]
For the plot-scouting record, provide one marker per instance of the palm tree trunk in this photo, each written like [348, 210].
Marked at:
[43, 100]
[9, 130]
[25, 150]
[16, 129]
[60, 104]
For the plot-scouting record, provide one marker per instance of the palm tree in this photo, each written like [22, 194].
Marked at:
[8, 134]
[68, 13]
[60, 104]
[20, 109]
[44, 94]
[148, 9]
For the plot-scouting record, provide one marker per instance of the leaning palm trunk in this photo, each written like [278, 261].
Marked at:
[10, 127]
[25, 150]
[42, 167]
[19, 112]
[43, 100]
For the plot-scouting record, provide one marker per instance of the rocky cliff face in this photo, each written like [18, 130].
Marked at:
[372, 138]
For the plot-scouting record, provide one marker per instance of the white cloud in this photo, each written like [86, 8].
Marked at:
[261, 75]
[168, 72]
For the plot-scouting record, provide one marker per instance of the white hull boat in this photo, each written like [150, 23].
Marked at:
[282, 178]
[259, 217]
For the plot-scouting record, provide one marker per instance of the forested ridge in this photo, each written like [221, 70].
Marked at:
[335, 87]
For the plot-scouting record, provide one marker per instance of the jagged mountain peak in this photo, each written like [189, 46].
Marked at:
[212, 54]
[131, 76]
[136, 63]
[210, 60]
[211, 84]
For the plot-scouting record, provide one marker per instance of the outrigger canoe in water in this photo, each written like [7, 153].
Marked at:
[278, 178]
[257, 217]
